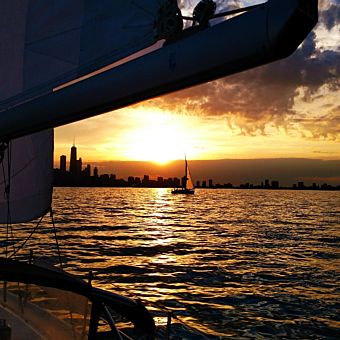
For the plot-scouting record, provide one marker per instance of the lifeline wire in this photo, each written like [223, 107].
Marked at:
[27, 238]
[56, 238]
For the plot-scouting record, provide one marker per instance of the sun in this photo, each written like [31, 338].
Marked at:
[159, 138]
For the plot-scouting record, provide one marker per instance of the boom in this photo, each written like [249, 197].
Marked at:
[264, 34]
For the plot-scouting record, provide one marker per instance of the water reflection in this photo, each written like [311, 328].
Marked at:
[228, 262]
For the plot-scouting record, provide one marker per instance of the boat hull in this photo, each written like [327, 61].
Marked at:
[183, 191]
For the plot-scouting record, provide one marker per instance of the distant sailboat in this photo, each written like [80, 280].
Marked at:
[188, 187]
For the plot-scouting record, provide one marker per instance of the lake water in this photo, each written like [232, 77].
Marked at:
[228, 263]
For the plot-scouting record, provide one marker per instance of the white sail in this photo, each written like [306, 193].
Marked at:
[29, 178]
[190, 183]
[59, 40]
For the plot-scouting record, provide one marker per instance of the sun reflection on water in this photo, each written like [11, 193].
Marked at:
[228, 262]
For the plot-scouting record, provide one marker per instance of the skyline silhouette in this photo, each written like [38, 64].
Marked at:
[77, 175]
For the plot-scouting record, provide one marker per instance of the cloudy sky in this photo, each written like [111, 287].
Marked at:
[289, 108]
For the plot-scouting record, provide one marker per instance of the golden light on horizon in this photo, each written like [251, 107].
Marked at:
[159, 137]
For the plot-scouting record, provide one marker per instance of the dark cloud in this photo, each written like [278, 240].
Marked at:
[331, 16]
[266, 95]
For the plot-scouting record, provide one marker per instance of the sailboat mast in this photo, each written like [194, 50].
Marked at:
[186, 171]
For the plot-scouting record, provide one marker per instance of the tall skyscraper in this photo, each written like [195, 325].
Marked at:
[63, 163]
[73, 161]
[79, 166]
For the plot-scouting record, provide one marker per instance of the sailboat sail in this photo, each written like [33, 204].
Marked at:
[27, 177]
[55, 41]
[50, 42]
[190, 184]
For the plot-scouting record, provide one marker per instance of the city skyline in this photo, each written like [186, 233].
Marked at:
[131, 176]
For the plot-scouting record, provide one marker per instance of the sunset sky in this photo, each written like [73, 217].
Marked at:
[289, 108]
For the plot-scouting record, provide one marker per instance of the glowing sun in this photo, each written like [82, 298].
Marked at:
[159, 138]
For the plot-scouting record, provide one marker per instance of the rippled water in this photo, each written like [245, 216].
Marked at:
[229, 263]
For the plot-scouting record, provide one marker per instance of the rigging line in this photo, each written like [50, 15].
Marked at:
[56, 238]
[9, 216]
[236, 11]
[61, 266]
[5, 184]
[27, 238]
[4, 147]
[228, 12]
[197, 331]
[145, 10]
[174, 316]
[7, 194]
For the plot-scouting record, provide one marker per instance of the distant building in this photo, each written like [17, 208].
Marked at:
[104, 180]
[301, 185]
[275, 184]
[87, 171]
[79, 166]
[204, 184]
[210, 183]
[131, 180]
[73, 161]
[146, 180]
[198, 184]
[62, 163]
[95, 172]
[266, 183]
[176, 182]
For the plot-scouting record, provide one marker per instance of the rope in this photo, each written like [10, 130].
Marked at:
[28, 238]
[7, 183]
[167, 310]
[227, 13]
[72, 322]
[56, 238]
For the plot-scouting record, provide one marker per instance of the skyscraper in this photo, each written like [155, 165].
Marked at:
[73, 161]
[79, 166]
[95, 172]
[63, 163]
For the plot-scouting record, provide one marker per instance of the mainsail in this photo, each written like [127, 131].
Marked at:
[55, 41]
